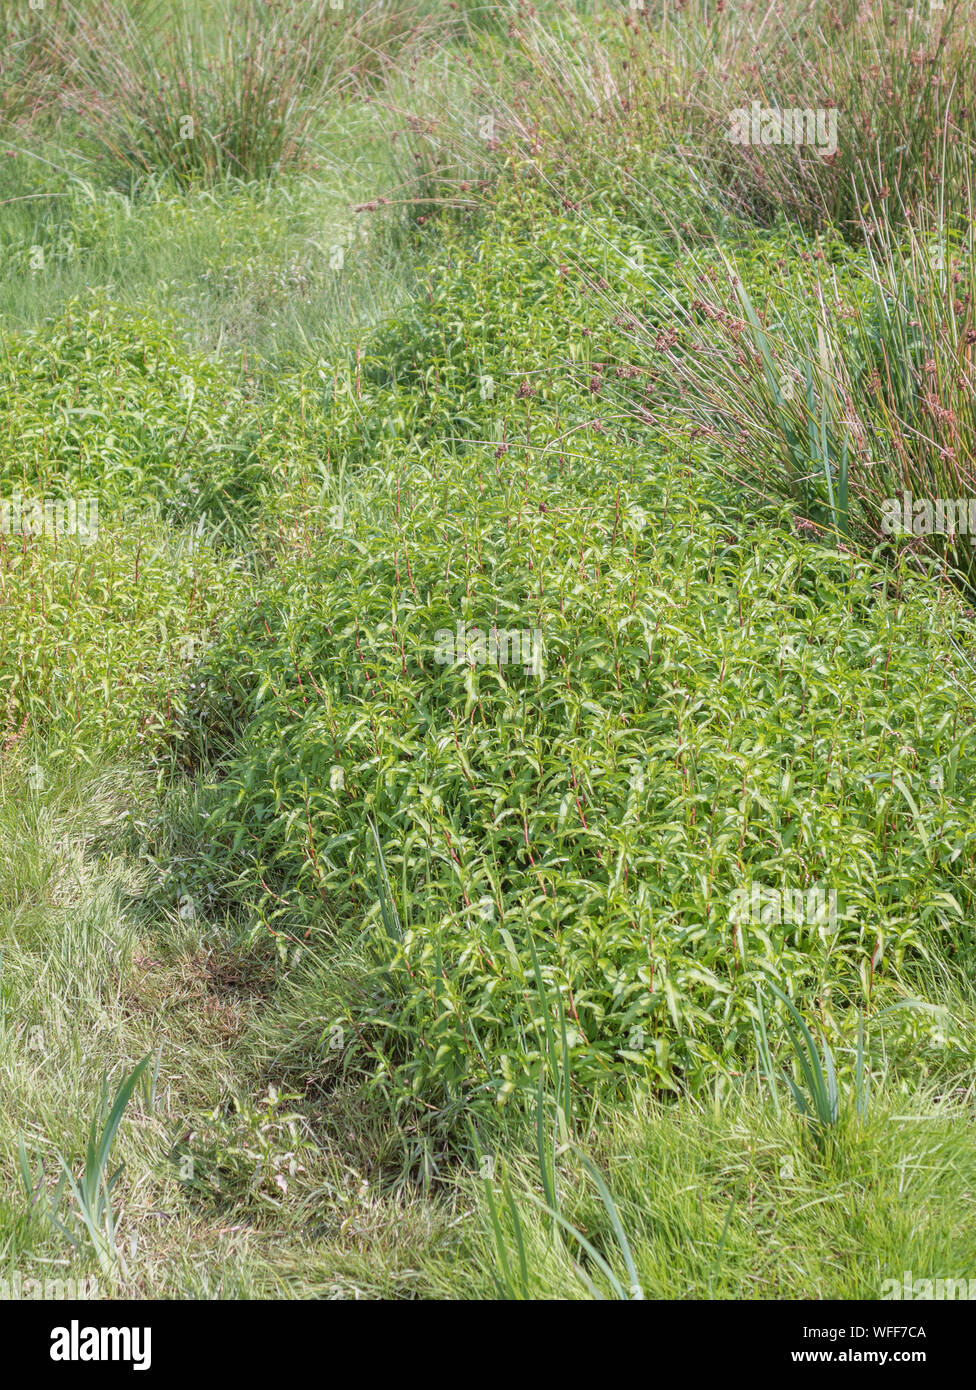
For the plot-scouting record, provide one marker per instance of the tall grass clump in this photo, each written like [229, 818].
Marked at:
[841, 381]
[901, 82]
[25, 86]
[202, 96]
[597, 105]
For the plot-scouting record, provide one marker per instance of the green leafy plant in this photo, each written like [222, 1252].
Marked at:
[595, 814]
[250, 1151]
[91, 1191]
[818, 1097]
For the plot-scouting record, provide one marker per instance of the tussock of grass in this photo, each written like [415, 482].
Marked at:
[840, 381]
[201, 93]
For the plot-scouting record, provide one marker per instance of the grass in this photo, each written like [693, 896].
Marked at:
[839, 381]
[343, 960]
[200, 93]
[92, 1215]
[277, 269]
[754, 1211]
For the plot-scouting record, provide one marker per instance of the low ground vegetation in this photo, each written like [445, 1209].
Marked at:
[482, 788]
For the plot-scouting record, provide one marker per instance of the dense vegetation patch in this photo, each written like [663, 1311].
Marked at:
[482, 702]
[716, 703]
[107, 402]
